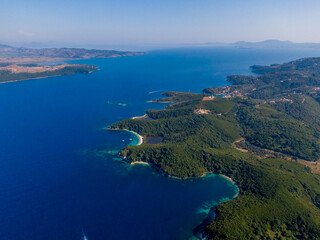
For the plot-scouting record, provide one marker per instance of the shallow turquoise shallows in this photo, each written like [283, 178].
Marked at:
[58, 175]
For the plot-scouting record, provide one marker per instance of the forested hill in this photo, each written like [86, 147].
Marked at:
[279, 80]
[264, 133]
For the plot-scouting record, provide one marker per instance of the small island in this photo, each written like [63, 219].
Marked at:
[263, 134]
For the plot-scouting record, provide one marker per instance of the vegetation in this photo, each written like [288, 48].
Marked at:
[279, 197]
[279, 200]
[265, 127]
[277, 81]
[7, 76]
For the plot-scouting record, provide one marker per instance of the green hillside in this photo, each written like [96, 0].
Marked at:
[279, 197]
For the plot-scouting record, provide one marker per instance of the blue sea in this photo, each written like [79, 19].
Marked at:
[59, 178]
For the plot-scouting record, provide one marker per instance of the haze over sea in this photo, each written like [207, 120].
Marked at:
[58, 175]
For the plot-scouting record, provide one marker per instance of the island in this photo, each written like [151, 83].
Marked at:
[263, 133]
[17, 64]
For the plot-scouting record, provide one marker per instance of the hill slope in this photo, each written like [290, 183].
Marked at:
[258, 135]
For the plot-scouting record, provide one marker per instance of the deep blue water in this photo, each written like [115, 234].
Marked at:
[58, 177]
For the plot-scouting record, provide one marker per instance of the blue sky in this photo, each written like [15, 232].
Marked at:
[158, 21]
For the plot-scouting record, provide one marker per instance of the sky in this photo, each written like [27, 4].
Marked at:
[158, 21]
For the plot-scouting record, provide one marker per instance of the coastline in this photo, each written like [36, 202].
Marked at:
[140, 117]
[198, 231]
[137, 134]
[127, 130]
[188, 178]
[59, 75]
[141, 163]
[20, 80]
[59, 59]
[205, 174]
[234, 183]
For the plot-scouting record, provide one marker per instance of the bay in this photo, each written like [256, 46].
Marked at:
[58, 175]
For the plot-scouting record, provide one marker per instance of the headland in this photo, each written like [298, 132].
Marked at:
[277, 117]
[18, 64]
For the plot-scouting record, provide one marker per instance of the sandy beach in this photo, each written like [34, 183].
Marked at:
[126, 130]
[139, 136]
[140, 162]
[140, 117]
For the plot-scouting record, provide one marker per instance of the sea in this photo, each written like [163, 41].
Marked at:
[59, 174]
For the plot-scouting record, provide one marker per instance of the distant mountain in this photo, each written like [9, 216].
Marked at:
[264, 44]
[274, 44]
[21, 54]
[4, 47]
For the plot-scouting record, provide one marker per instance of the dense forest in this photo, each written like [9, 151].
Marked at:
[277, 113]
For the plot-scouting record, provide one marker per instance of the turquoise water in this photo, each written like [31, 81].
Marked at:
[58, 175]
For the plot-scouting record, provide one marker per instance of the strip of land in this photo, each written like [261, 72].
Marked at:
[14, 55]
[17, 64]
[13, 73]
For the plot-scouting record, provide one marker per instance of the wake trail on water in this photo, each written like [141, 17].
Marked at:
[156, 91]
[84, 236]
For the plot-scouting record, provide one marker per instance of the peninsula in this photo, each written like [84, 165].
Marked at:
[9, 54]
[12, 73]
[17, 64]
[264, 134]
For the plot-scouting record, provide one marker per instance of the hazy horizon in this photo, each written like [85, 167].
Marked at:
[141, 22]
[149, 46]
